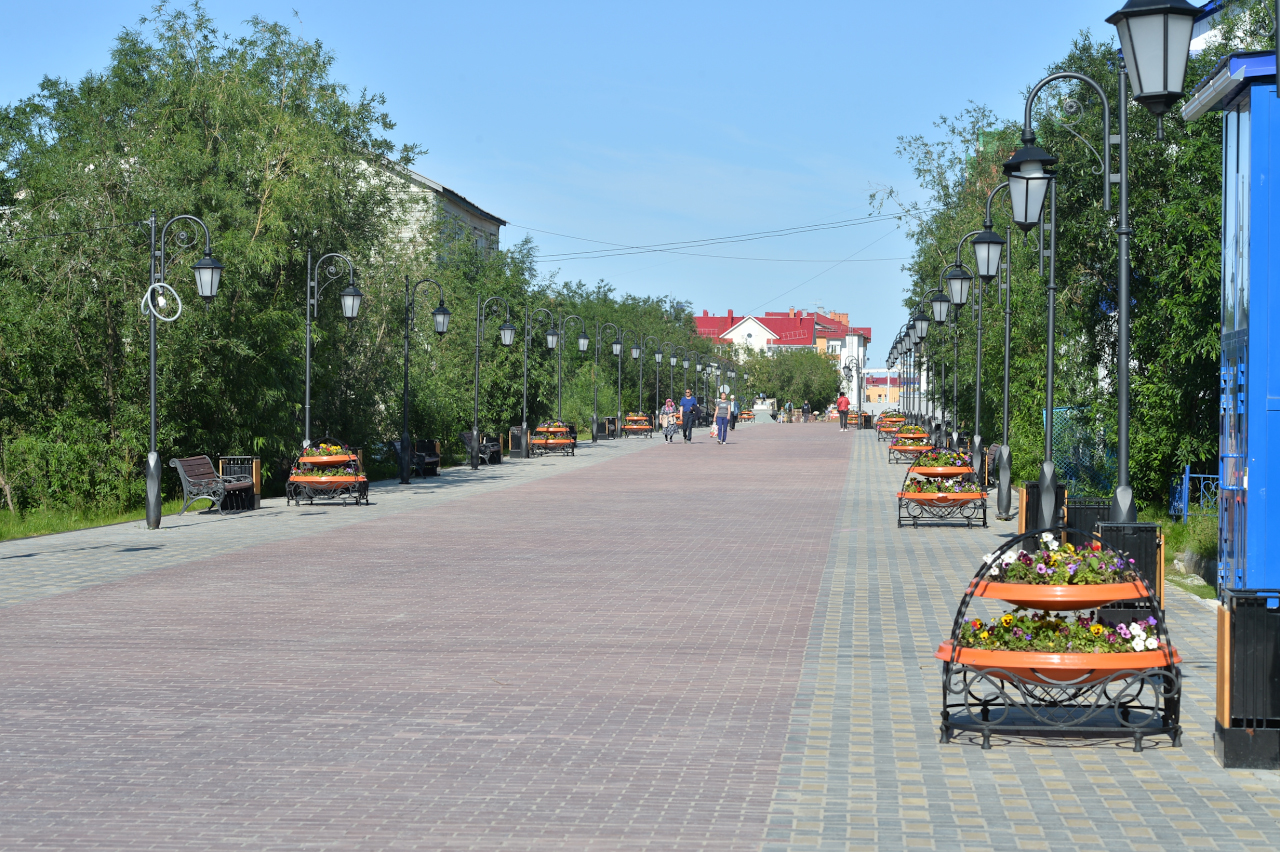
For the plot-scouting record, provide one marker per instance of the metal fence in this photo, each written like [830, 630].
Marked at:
[1084, 459]
[1193, 494]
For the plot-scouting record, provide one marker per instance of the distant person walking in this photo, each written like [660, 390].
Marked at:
[805, 411]
[842, 406]
[688, 413]
[723, 407]
[667, 420]
[790, 411]
[734, 411]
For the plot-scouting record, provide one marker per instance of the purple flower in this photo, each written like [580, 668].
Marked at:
[1112, 638]
[1151, 620]
[1064, 630]
[1040, 569]
[1123, 631]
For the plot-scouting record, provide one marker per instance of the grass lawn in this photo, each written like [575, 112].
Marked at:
[46, 521]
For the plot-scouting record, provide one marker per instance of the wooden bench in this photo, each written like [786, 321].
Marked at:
[200, 481]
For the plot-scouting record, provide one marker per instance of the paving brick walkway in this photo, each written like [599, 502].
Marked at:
[656, 648]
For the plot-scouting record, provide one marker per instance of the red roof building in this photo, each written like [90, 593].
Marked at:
[784, 330]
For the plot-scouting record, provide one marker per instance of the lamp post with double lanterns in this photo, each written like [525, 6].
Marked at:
[553, 339]
[1155, 36]
[349, 298]
[507, 335]
[595, 384]
[440, 319]
[583, 342]
[208, 275]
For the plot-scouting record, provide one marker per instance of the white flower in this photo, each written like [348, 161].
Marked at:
[1010, 557]
[1138, 644]
[994, 572]
[988, 558]
[1152, 644]
[1138, 629]
[1049, 541]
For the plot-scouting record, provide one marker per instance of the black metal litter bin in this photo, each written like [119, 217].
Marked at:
[1247, 728]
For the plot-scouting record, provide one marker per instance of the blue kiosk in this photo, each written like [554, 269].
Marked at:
[1242, 88]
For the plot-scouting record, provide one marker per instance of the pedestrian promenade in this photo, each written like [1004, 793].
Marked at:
[645, 647]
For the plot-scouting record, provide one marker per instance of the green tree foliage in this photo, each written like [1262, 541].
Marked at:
[254, 136]
[796, 375]
[1175, 252]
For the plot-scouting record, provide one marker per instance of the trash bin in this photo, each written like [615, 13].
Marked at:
[611, 427]
[1142, 543]
[1083, 513]
[1247, 728]
[1028, 508]
[250, 466]
[515, 440]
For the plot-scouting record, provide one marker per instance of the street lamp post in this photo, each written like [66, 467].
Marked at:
[350, 299]
[507, 334]
[1156, 37]
[440, 316]
[208, 274]
[958, 281]
[940, 303]
[583, 342]
[595, 385]
[636, 353]
[553, 339]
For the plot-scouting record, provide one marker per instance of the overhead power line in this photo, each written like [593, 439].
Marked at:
[678, 247]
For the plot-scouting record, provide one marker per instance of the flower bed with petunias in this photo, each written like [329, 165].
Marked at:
[1055, 564]
[1054, 633]
[954, 485]
[944, 458]
[899, 441]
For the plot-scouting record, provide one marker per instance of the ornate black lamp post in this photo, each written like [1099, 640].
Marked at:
[595, 386]
[208, 274]
[1156, 37]
[636, 352]
[349, 298]
[940, 304]
[507, 334]
[440, 317]
[553, 338]
[583, 342]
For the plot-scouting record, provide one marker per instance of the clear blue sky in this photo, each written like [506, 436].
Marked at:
[656, 122]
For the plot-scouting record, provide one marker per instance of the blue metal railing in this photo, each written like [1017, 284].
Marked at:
[1193, 494]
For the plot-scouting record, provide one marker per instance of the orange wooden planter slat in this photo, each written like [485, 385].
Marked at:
[327, 461]
[942, 472]
[326, 480]
[907, 448]
[942, 498]
[1044, 667]
[1060, 597]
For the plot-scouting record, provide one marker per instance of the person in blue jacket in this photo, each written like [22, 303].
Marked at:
[688, 411]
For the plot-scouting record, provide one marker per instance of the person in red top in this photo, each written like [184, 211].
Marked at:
[842, 406]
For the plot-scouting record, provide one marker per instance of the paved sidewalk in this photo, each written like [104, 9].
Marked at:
[864, 769]
[650, 647]
[33, 568]
[602, 659]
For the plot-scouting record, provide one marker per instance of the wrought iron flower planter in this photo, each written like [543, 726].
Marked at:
[1127, 694]
[322, 474]
[906, 453]
[552, 437]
